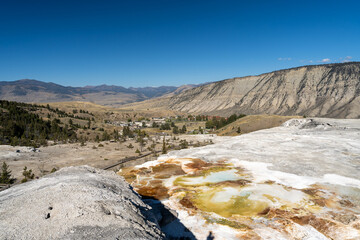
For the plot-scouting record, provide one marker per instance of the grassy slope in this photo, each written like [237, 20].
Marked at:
[253, 123]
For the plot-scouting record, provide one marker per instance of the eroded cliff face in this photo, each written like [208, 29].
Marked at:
[331, 90]
[76, 203]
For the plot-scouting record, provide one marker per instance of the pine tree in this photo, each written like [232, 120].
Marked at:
[5, 174]
[238, 130]
[164, 150]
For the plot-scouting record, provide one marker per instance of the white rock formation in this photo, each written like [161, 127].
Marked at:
[306, 172]
[76, 203]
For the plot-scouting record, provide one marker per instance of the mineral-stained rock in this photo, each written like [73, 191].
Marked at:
[76, 203]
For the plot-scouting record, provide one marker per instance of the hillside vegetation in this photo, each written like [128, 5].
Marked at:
[19, 126]
[253, 123]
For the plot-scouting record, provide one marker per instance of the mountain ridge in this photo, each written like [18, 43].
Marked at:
[31, 90]
[327, 90]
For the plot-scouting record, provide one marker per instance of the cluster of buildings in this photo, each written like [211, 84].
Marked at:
[139, 124]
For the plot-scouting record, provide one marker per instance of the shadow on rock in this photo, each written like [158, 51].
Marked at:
[168, 221]
[210, 236]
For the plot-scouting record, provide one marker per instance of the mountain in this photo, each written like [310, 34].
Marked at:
[27, 90]
[330, 90]
[151, 92]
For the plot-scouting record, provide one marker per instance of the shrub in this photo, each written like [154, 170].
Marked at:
[28, 174]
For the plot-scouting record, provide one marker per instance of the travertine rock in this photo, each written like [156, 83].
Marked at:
[76, 203]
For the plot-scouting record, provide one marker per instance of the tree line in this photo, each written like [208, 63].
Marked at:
[20, 127]
[218, 123]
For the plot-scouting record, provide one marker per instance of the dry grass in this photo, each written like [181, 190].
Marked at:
[253, 123]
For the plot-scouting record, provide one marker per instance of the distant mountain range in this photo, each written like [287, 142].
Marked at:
[27, 90]
[328, 90]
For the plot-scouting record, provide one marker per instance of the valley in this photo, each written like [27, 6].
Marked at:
[193, 156]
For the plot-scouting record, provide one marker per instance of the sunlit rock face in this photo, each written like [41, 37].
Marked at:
[298, 181]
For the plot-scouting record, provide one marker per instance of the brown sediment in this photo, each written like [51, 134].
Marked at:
[356, 226]
[197, 164]
[269, 182]
[265, 212]
[186, 202]
[143, 171]
[235, 183]
[319, 201]
[346, 203]
[130, 174]
[346, 218]
[142, 182]
[279, 213]
[310, 191]
[322, 225]
[157, 192]
[167, 169]
[155, 182]
[129, 177]
[249, 235]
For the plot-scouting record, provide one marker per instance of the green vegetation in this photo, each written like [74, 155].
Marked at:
[138, 152]
[21, 127]
[184, 144]
[127, 132]
[221, 121]
[5, 176]
[165, 126]
[238, 130]
[183, 129]
[164, 149]
[28, 174]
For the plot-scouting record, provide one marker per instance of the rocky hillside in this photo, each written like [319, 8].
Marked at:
[76, 203]
[331, 90]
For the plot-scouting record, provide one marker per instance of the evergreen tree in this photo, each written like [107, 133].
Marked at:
[183, 129]
[5, 174]
[238, 130]
[175, 130]
[164, 150]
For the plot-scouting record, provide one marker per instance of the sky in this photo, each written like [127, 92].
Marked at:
[141, 43]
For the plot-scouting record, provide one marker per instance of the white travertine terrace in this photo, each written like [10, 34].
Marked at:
[281, 164]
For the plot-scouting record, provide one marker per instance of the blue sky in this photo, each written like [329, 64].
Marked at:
[170, 42]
